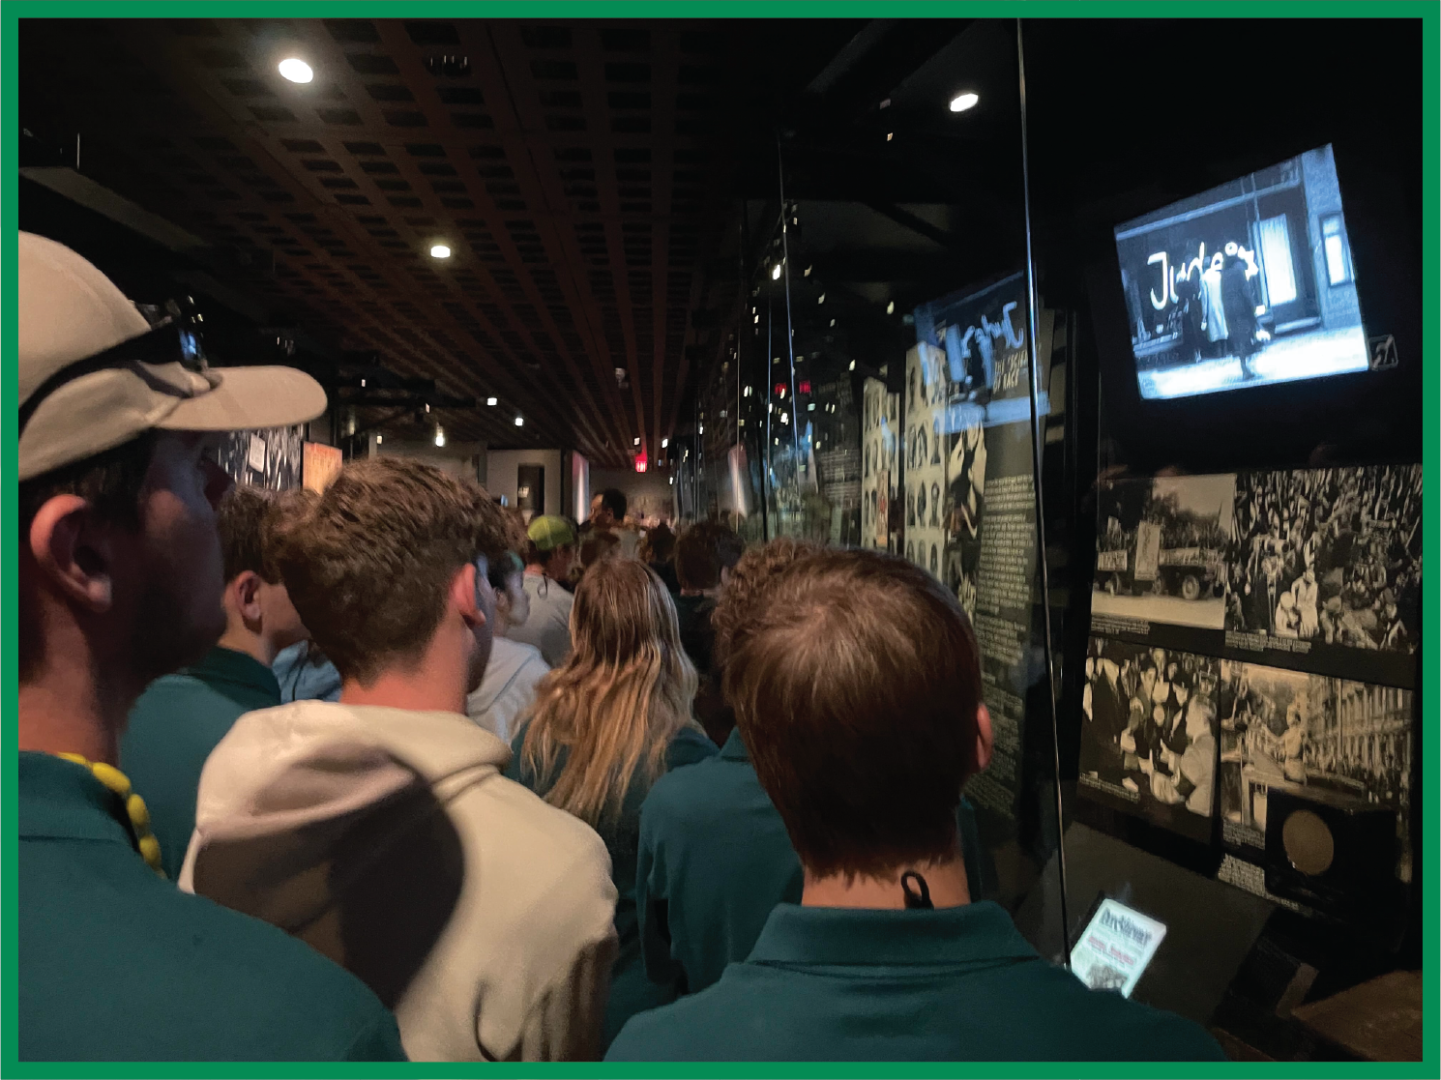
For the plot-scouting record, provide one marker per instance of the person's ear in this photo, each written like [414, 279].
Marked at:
[464, 595]
[985, 739]
[75, 552]
[245, 594]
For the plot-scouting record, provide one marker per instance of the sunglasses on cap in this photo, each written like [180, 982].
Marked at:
[174, 338]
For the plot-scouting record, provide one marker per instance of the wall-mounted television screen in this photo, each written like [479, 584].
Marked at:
[1248, 284]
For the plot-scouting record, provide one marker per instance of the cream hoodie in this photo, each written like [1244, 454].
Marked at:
[390, 841]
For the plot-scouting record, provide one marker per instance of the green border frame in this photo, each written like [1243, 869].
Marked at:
[1426, 11]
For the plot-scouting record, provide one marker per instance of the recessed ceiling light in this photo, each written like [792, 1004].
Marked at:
[520, 421]
[637, 442]
[439, 251]
[963, 102]
[296, 70]
[776, 272]
[891, 308]
[379, 439]
[492, 401]
[439, 436]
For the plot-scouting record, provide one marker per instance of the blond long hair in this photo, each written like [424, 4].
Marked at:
[615, 704]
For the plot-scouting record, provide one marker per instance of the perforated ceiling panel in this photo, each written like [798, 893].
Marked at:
[574, 170]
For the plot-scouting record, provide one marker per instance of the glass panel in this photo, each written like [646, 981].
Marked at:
[886, 338]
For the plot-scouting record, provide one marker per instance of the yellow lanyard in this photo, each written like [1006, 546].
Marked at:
[118, 782]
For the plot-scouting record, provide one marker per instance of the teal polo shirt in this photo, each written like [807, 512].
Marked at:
[630, 990]
[957, 984]
[116, 964]
[715, 859]
[173, 728]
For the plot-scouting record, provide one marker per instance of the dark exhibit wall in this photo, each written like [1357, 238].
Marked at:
[1247, 148]
[1244, 672]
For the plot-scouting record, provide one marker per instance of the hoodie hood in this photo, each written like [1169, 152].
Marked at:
[289, 787]
[391, 842]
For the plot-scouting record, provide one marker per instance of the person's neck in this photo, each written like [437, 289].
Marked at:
[701, 592]
[437, 682]
[945, 878]
[243, 640]
[75, 705]
[415, 691]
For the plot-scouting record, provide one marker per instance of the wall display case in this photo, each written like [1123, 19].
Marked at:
[1148, 407]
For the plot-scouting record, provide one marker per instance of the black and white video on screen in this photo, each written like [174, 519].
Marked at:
[1246, 284]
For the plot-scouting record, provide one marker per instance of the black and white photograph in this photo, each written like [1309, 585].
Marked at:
[1161, 549]
[1246, 284]
[1320, 738]
[963, 509]
[925, 474]
[273, 459]
[1329, 556]
[1149, 733]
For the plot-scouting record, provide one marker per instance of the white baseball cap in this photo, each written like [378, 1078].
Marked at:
[93, 373]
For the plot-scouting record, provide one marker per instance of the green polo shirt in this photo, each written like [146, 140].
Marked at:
[715, 859]
[173, 727]
[957, 984]
[116, 964]
[630, 990]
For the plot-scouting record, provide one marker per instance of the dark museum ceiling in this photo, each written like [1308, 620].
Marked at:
[588, 178]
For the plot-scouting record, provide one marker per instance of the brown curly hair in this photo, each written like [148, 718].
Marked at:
[747, 581]
[368, 564]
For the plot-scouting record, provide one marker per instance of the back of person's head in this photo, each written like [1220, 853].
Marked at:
[658, 545]
[614, 500]
[597, 546]
[550, 545]
[703, 551]
[619, 698]
[750, 576]
[258, 607]
[857, 689]
[241, 519]
[371, 565]
[517, 537]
